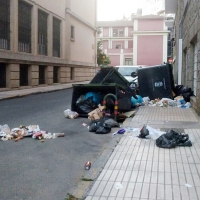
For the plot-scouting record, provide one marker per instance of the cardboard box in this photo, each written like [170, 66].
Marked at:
[97, 113]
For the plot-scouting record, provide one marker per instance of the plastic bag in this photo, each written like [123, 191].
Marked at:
[70, 114]
[103, 129]
[94, 125]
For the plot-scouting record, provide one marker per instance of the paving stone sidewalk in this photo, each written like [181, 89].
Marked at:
[138, 169]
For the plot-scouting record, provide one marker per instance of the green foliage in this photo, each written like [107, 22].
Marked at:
[102, 59]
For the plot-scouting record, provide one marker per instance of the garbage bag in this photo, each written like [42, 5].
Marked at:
[187, 96]
[163, 142]
[143, 132]
[171, 139]
[94, 125]
[135, 101]
[86, 105]
[112, 122]
[103, 129]
[96, 97]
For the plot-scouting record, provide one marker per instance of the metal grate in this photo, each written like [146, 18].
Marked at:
[56, 37]
[4, 24]
[24, 27]
[42, 33]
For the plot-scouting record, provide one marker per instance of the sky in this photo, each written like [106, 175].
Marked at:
[108, 10]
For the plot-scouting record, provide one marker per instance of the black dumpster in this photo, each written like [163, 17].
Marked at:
[156, 81]
[80, 90]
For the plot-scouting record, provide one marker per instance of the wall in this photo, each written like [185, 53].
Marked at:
[150, 50]
[189, 14]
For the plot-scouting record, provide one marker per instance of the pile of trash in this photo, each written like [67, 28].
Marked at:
[169, 139]
[26, 131]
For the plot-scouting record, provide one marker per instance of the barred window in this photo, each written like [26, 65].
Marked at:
[56, 37]
[4, 24]
[24, 27]
[42, 33]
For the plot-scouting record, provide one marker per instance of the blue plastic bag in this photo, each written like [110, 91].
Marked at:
[134, 101]
[96, 97]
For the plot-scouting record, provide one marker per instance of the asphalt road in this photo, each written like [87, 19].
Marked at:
[32, 170]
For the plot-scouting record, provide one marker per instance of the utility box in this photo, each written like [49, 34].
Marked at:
[156, 81]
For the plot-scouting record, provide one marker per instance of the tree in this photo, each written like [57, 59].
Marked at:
[102, 59]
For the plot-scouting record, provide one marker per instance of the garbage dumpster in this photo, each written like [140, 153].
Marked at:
[156, 81]
[80, 91]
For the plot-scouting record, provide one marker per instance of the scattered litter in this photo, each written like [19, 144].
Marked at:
[188, 185]
[70, 114]
[118, 186]
[84, 124]
[87, 165]
[120, 131]
[26, 131]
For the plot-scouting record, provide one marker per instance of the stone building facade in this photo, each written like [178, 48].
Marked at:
[45, 43]
[187, 45]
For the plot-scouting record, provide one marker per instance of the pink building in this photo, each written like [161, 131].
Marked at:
[140, 41]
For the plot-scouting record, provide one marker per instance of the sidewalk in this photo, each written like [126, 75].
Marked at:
[138, 169]
[35, 90]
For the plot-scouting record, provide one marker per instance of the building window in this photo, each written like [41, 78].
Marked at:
[24, 27]
[118, 46]
[56, 37]
[42, 33]
[72, 73]
[56, 73]
[23, 74]
[115, 32]
[2, 75]
[72, 33]
[4, 24]
[128, 61]
[42, 70]
[121, 33]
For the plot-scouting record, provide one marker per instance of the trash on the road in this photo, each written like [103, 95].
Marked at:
[87, 165]
[172, 139]
[96, 113]
[70, 114]
[120, 131]
[26, 131]
[118, 186]
[99, 126]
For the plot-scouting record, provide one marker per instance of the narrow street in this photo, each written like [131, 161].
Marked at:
[32, 170]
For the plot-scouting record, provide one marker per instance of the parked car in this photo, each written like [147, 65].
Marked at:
[130, 74]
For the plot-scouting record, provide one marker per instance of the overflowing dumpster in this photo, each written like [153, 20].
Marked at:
[107, 83]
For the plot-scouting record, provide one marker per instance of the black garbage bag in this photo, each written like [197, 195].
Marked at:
[163, 142]
[187, 96]
[86, 105]
[144, 132]
[94, 125]
[180, 89]
[103, 129]
[111, 121]
[171, 139]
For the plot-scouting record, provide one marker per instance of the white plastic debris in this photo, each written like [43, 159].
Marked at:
[118, 186]
[188, 185]
[154, 133]
[70, 114]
